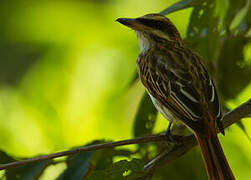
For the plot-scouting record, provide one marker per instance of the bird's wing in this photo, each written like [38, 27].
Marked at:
[178, 80]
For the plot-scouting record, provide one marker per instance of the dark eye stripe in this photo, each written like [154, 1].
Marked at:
[156, 24]
[163, 26]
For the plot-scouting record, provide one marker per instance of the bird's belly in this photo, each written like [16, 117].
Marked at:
[180, 126]
[163, 110]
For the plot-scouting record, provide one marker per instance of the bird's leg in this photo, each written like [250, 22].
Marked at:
[168, 132]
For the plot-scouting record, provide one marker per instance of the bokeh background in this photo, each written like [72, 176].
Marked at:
[65, 67]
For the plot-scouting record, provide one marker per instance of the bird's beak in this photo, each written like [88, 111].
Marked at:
[131, 23]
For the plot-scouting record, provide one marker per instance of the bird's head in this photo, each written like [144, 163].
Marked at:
[151, 29]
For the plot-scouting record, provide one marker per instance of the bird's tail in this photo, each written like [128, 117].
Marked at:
[215, 161]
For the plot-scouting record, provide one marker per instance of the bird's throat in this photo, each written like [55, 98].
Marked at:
[145, 42]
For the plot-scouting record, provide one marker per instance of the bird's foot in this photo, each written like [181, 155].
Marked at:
[168, 133]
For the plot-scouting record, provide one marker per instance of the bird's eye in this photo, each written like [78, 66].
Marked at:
[158, 25]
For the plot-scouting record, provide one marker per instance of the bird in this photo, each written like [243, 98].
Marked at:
[180, 87]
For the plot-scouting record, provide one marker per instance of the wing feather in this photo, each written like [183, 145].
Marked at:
[172, 79]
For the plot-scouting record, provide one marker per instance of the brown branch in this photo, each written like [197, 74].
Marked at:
[146, 139]
[238, 113]
[184, 144]
[188, 142]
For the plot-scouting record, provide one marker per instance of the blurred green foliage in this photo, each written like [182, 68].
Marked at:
[67, 77]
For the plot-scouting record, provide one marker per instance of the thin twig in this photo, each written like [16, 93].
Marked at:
[238, 113]
[167, 156]
[146, 139]
[187, 142]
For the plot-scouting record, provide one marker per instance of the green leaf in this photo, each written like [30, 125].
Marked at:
[220, 50]
[221, 8]
[119, 170]
[134, 79]
[181, 5]
[97, 175]
[145, 117]
[104, 158]
[202, 31]
[77, 166]
[240, 124]
[233, 10]
[240, 16]
[188, 167]
[18, 58]
[5, 158]
[232, 64]
[81, 165]
[30, 171]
